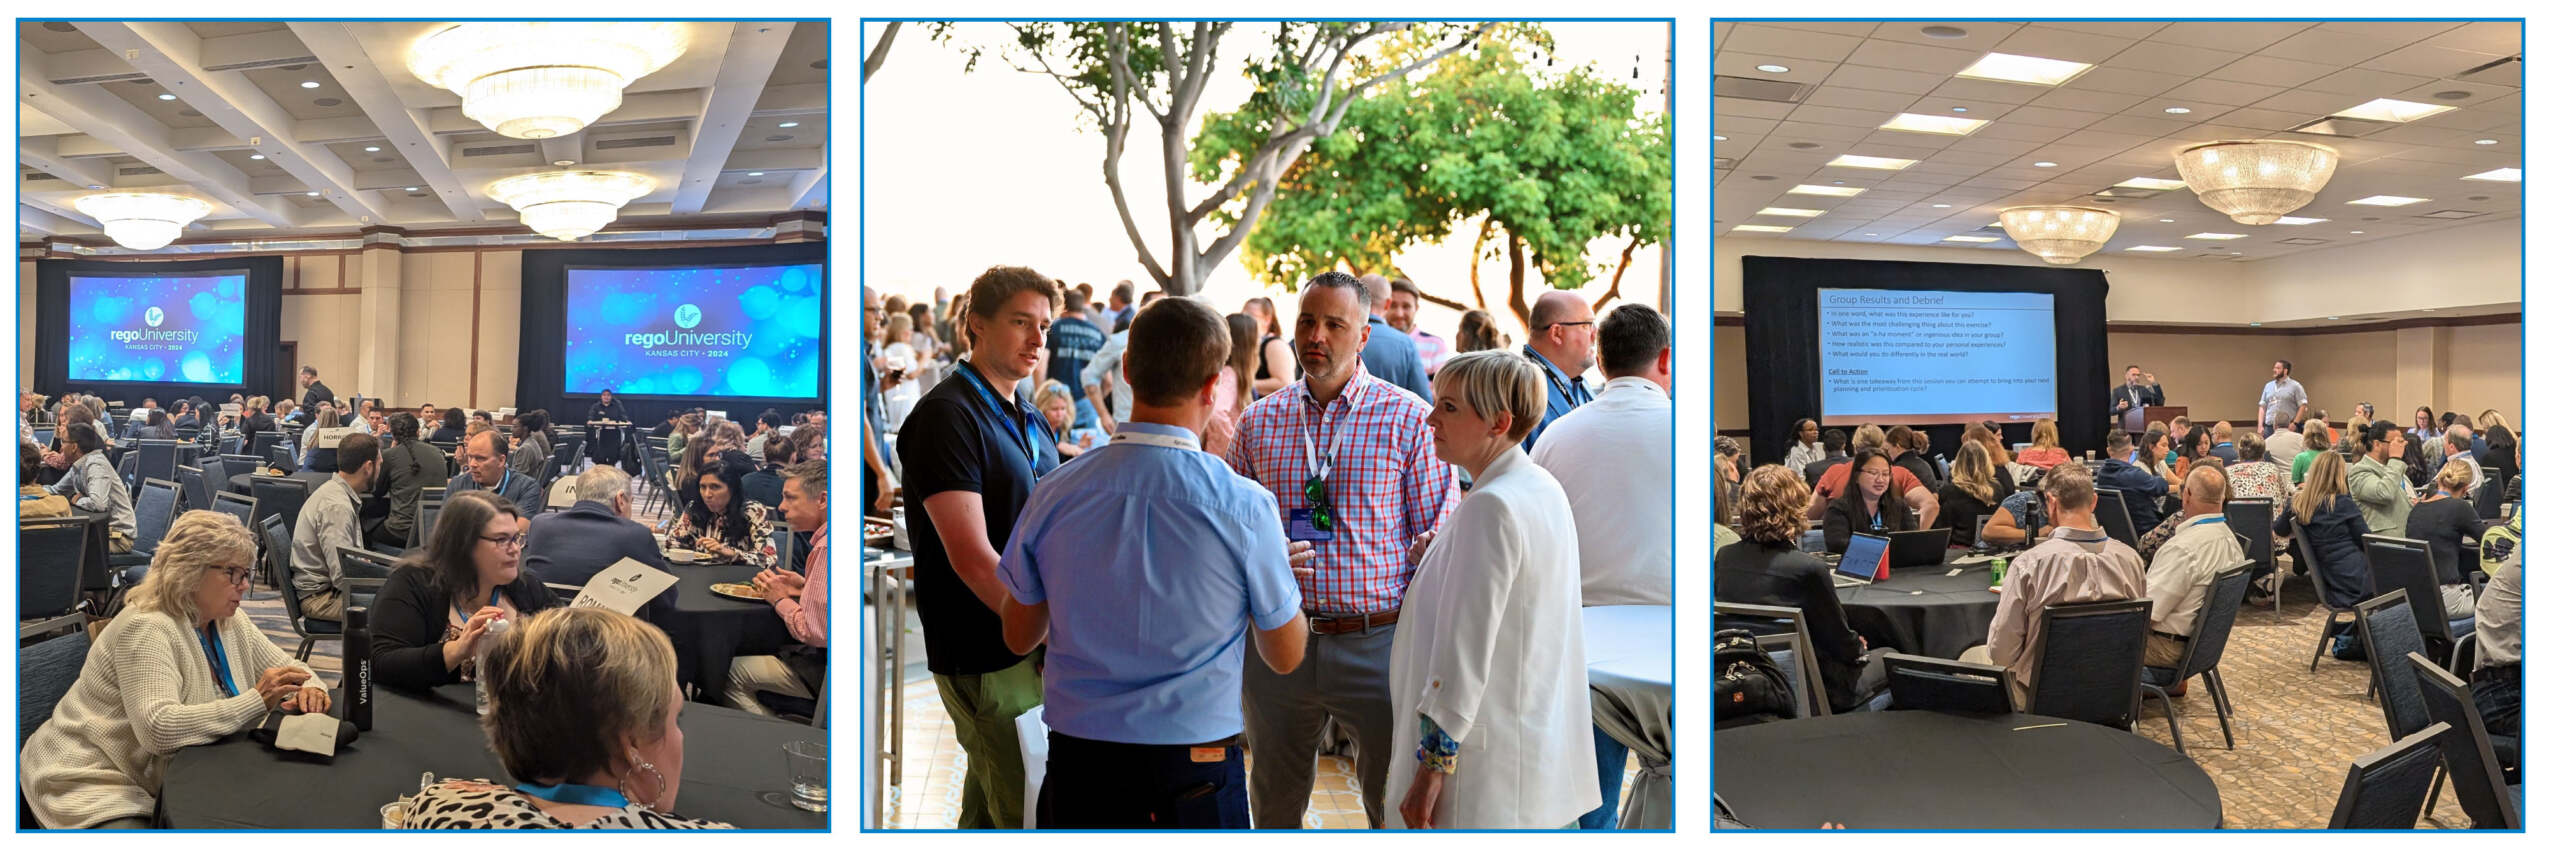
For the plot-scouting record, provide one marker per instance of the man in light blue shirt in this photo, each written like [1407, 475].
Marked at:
[1143, 564]
[1391, 354]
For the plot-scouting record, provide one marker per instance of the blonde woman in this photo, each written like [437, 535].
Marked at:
[2443, 520]
[2315, 439]
[898, 358]
[181, 666]
[2326, 519]
[328, 418]
[2044, 449]
[1972, 491]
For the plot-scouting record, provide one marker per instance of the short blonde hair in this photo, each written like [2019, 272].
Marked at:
[567, 685]
[2456, 474]
[196, 542]
[1867, 437]
[2046, 435]
[1495, 381]
[1773, 504]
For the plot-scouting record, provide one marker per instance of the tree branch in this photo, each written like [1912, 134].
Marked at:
[1624, 258]
[1451, 304]
[880, 52]
[1115, 140]
[1344, 106]
[1082, 101]
[1519, 277]
[1475, 261]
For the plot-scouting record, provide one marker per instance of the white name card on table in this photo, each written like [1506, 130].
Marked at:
[310, 733]
[329, 437]
[624, 587]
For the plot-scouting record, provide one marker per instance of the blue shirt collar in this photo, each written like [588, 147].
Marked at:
[1162, 430]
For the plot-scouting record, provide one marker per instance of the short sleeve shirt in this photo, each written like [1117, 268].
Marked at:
[2283, 399]
[1837, 477]
[957, 440]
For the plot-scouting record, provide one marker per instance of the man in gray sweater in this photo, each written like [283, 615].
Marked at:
[328, 522]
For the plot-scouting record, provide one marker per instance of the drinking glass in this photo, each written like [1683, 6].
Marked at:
[808, 766]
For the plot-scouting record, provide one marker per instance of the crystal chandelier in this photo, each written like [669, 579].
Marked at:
[142, 221]
[2256, 182]
[569, 204]
[543, 80]
[2060, 234]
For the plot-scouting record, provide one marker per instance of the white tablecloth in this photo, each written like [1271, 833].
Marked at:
[1629, 652]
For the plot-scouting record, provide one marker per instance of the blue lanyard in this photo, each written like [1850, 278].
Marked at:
[221, 665]
[585, 795]
[1876, 519]
[1020, 427]
[1571, 388]
[493, 601]
[2206, 520]
[503, 480]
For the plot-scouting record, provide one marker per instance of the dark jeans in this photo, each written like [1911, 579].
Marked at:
[2499, 692]
[1613, 773]
[1109, 785]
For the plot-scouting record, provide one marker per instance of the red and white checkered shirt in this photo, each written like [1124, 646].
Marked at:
[1387, 486]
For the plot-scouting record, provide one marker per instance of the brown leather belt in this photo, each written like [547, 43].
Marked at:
[1332, 625]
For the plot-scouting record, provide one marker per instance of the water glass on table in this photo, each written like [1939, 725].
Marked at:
[808, 766]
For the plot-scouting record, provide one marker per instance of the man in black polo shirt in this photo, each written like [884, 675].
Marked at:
[969, 454]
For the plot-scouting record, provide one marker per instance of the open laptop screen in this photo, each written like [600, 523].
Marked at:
[1864, 556]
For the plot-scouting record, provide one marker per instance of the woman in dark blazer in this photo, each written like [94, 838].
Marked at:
[2326, 518]
[1765, 567]
[435, 610]
[1865, 507]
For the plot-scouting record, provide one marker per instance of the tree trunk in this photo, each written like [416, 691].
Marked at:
[1623, 259]
[1519, 277]
[880, 52]
[1475, 262]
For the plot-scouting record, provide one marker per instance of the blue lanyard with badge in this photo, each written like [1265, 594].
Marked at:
[221, 665]
[1020, 427]
[1314, 522]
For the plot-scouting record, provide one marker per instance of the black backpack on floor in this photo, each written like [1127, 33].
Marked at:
[1750, 687]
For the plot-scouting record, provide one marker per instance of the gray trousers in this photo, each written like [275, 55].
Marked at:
[1344, 676]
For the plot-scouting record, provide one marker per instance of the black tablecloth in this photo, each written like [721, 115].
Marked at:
[709, 629]
[308, 480]
[1949, 615]
[732, 760]
[1934, 770]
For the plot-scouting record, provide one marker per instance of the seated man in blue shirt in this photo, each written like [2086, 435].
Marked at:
[2140, 489]
[570, 546]
[1145, 680]
[484, 467]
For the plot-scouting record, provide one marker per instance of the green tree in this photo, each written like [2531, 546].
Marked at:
[1550, 161]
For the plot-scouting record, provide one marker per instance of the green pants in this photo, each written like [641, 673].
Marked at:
[982, 708]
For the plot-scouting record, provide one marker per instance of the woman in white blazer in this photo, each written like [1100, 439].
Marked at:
[1492, 702]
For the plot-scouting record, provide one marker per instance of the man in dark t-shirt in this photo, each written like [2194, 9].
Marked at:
[1073, 341]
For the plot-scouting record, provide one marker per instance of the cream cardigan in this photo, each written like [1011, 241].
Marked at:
[146, 690]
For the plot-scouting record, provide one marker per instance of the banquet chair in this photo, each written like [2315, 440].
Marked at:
[424, 525]
[235, 465]
[2204, 655]
[259, 442]
[2487, 494]
[237, 506]
[153, 511]
[2320, 591]
[217, 475]
[126, 463]
[159, 459]
[1782, 627]
[2254, 519]
[50, 552]
[196, 493]
[2388, 625]
[2115, 519]
[2385, 788]
[2471, 755]
[2406, 564]
[1946, 685]
[280, 567]
[566, 593]
[279, 497]
[2091, 668]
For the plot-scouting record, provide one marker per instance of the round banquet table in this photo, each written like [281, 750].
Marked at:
[709, 629]
[1628, 649]
[1909, 769]
[1948, 615]
[734, 769]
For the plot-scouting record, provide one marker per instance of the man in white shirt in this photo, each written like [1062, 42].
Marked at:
[2283, 446]
[2457, 447]
[1609, 457]
[2183, 570]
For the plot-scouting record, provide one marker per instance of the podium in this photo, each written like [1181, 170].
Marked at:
[2138, 418]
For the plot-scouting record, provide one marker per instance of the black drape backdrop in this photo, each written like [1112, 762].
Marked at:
[1780, 321]
[543, 332]
[264, 299]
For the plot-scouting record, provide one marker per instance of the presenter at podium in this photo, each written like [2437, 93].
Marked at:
[2138, 390]
[608, 418]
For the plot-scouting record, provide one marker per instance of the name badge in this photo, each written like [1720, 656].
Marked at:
[1302, 526]
[1205, 755]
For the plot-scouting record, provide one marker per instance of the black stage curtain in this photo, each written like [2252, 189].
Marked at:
[260, 329]
[545, 328]
[1779, 301]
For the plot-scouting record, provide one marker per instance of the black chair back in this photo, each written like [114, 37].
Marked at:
[2213, 623]
[237, 506]
[259, 441]
[280, 457]
[153, 510]
[280, 565]
[125, 470]
[50, 556]
[46, 671]
[2487, 494]
[217, 473]
[2115, 519]
[1946, 685]
[2407, 565]
[1780, 631]
[2388, 626]
[198, 494]
[2386, 788]
[2468, 758]
[44, 437]
[2091, 668]
[280, 497]
[425, 524]
[235, 465]
[159, 459]
[365, 563]
[2254, 519]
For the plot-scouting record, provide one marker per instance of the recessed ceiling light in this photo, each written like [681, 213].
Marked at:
[2487, 142]
[1826, 190]
[2502, 174]
[2047, 164]
[562, 163]
[2254, 325]
[1773, 68]
[1873, 234]
[311, 84]
[1719, 137]
[1959, 109]
[2393, 111]
[415, 189]
[373, 149]
[1769, 229]
[255, 157]
[1995, 224]
[1970, 238]
[1942, 205]
[1944, 32]
[97, 187]
[2167, 220]
[756, 173]
[2355, 232]
[2300, 221]
[1933, 124]
[1870, 162]
[168, 96]
[2386, 200]
[2154, 248]
[2176, 109]
[311, 193]
[2148, 183]
[2215, 236]
[2030, 70]
[787, 124]
[2333, 319]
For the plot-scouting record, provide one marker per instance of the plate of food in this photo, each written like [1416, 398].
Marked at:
[877, 533]
[743, 590]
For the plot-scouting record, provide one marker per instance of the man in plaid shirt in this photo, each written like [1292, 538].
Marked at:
[1361, 492]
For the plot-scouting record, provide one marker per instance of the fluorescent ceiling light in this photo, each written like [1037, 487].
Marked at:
[2502, 174]
[1933, 124]
[2148, 183]
[1769, 229]
[1870, 162]
[2387, 200]
[1773, 68]
[1826, 190]
[1971, 238]
[2215, 236]
[2300, 221]
[2025, 69]
[2153, 248]
[1790, 212]
[2393, 111]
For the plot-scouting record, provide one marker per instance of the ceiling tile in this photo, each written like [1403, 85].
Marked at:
[2172, 58]
[2080, 99]
[2131, 30]
[2158, 109]
[1976, 32]
[2265, 118]
[2045, 41]
[2397, 31]
[1802, 71]
[2269, 70]
[1982, 89]
[1923, 58]
[1884, 79]
[1739, 107]
[2239, 36]
[2422, 60]
[2123, 80]
[2010, 130]
[2311, 102]
[2322, 44]
[1976, 109]
[2146, 127]
[2222, 92]
[1855, 28]
[2059, 118]
[2501, 37]
[1839, 97]
[1859, 117]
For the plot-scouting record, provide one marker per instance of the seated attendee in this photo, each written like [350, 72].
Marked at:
[1767, 568]
[2379, 481]
[1835, 451]
[2150, 541]
[2327, 519]
[1908, 449]
[328, 522]
[408, 468]
[2283, 446]
[1905, 486]
[2497, 685]
[1805, 449]
[2138, 486]
[582, 714]
[798, 670]
[764, 485]
[532, 452]
[2005, 471]
[452, 428]
[188, 422]
[2494, 443]
[484, 467]
[721, 523]
[34, 500]
[1060, 408]
[1973, 492]
[1865, 508]
[768, 426]
[435, 608]
[158, 427]
[2044, 448]
[2078, 565]
[810, 440]
[2223, 446]
[570, 546]
[2019, 522]
[2253, 475]
[181, 666]
[2443, 519]
[2183, 570]
[2457, 442]
[312, 459]
[92, 484]
[2315, 440]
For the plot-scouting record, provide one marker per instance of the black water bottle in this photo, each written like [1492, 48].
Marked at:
[358, 688]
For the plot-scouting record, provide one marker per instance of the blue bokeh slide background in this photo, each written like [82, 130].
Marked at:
[776, 307]
[106, 311]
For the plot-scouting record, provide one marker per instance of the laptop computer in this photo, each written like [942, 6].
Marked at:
[1920, 547]
[1859, 563]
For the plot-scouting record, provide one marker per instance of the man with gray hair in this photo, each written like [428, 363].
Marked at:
[1390, 354]
[569, 546]
[2182, 573]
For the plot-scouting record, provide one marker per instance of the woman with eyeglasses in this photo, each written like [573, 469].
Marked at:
[181, 666]
[1864, 508]
[438, 603]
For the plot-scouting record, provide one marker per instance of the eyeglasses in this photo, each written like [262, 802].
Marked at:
[1555, 324]
[504, 540]
[1885, 475]
[238, 575]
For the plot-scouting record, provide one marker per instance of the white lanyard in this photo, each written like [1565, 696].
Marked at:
[1164, 440]
[1324, 470]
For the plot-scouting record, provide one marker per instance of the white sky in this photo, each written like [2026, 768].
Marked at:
[970, 170]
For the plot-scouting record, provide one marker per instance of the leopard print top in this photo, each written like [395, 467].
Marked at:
[480, 804]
